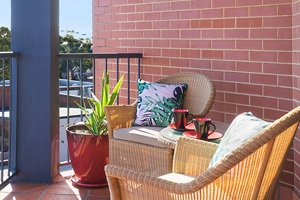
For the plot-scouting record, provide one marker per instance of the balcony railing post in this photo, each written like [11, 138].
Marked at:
[81, 90]
[117, 71]
[2, 119]
[13, 116]
[68, 93]
[10, 115]
[105, 66]
[8, 165]
[128, 83]
[94, 76]
[139, 68]
[68, 103]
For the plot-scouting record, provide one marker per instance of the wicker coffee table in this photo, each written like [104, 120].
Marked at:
[169, 136]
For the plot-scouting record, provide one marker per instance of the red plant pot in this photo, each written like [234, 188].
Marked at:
[89, 155]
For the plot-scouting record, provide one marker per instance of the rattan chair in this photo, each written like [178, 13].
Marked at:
[250, 172]
[155, 160]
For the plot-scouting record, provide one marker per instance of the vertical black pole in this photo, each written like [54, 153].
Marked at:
[128, 84]
[139, 68]
[94, 76]
[81, 90]
[118, 78]
[2, 119]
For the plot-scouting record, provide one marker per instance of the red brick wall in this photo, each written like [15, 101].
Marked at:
[296, 84]
[6, 98]
[244, 46]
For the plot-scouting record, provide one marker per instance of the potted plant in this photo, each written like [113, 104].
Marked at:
[88, 141]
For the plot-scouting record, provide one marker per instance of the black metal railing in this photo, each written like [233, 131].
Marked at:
[104, 59]
[8, 85]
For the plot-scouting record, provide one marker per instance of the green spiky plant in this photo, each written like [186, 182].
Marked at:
[96, 120]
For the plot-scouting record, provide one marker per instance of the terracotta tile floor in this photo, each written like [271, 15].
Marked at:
[61, 189]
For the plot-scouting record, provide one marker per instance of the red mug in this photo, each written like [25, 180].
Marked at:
[180, 116]
[203, 125]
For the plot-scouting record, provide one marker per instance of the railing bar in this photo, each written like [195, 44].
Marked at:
[139, 68]
[64, 163]
[68, 105]
[94, 75]
[80, 55]
[128, 83]
[94, 56]
[117, 78]
[2, 119]
[81, 90]
[68, 93]
[105, 71]
[4, 183]
[14, 114]
[105, 66]
[10, 54]
[71, 87]
[10, 115]
[99, 55]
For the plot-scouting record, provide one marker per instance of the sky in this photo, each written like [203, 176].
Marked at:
[73, 15]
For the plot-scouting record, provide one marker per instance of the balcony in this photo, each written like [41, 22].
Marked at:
[248, 49]
[70, 91]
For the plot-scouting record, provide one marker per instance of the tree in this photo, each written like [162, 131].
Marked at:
[69, 44]
[5, 41]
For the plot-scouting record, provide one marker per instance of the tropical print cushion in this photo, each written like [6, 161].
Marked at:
[243, 127]
[155, 102]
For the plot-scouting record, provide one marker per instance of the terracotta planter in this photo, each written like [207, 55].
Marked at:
[89, 155]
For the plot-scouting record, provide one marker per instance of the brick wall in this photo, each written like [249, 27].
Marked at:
[6, 97]
[296, 81]
[245, 46]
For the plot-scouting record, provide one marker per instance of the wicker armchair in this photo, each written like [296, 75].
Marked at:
[249, 172]
[151, 159]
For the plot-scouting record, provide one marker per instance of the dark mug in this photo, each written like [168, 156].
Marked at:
[180, 116]
[203, 125]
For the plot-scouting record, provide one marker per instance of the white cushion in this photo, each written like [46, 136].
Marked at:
[140, 134]
[177, 178]
[242, 128]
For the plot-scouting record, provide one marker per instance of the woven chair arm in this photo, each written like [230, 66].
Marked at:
[119, 116]
[192, 157]
[113, 171]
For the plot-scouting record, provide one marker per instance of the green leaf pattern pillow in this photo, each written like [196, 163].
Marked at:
[243, 127]
[155, 102]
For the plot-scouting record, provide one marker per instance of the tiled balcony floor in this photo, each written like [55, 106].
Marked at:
[61, 189]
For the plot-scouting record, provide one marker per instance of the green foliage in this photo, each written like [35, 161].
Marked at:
[69, 44]
[5, 41]
[96, 120]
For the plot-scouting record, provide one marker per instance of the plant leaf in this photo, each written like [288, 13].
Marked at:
[96, 122]
[103, 93]
[115, 92]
